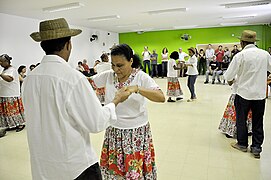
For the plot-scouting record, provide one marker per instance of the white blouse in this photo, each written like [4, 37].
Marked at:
[131, 113]
[171, 71]
[192, 70]
[10, 89]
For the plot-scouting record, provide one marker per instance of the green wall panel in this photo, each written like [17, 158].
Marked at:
[171, 38]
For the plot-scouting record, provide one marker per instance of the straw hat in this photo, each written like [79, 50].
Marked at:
[248, 36]
[192, 49]
[54, 29]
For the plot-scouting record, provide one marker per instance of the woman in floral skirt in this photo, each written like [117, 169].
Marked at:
[173, 85]
[128, 151]
[11, 107]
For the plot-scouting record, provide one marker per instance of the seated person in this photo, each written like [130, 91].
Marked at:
[214, 69]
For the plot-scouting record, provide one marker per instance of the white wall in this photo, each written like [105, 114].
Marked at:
[16, 42]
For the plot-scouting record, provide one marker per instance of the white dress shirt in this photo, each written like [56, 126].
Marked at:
[10, 89]
[61, 109]
[132, 113]
[209, 53]
[250, 65]
[182, 55]
[192, 70]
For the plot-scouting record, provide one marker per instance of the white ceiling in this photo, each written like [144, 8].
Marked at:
[203, 13]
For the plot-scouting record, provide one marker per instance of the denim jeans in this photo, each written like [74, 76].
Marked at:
[191, 85]
[146, 63]
[154, 70]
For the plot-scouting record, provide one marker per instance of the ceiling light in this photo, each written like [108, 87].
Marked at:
[185, 27]
[104, 18]
[247, 4]
[163, 11]
[128, 25]
[63, 7]
[240, 17]
[233, 24]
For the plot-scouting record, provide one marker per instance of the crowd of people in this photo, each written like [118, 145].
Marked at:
[57, 99]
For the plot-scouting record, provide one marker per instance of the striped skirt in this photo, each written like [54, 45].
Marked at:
[11, 112]
[173, 87]
[128, 154]
[228, 122]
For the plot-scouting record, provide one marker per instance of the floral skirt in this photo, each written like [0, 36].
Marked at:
[228, 122]
[128, 154]
[173, 87]
[11, 112]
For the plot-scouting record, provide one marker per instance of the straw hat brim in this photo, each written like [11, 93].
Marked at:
[248, 40]
[54, 34]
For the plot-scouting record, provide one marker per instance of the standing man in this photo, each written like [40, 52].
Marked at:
[209, 53]
[181, 63]
[250, 66]
[219, 53]
[146, 60]
[154, 58]
[62, 109]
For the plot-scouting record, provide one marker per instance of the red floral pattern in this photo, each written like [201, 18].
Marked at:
[228, 122]
[173, 87]
[128, 154]
[11, 112]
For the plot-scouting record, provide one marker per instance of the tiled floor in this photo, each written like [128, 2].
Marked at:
[187, 142]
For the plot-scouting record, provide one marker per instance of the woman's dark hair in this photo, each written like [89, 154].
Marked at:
[54, 45]
[20, 69]
[6, 57]
[126, 51]
[103, 57]
[32, 66]
[80, 63]
[201, 50]
[174, 55]
[163, 50]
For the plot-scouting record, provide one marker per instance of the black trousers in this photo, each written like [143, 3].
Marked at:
[242, 107]
[91, 173]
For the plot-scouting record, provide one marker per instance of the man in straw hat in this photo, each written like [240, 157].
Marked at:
[62, 109]
[248, 70]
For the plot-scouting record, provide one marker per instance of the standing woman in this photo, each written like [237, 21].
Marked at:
[192, 73]
[202, 62]
[22, 71]
[164, 61]
[173, 85]
[11, 107]
[128, 151]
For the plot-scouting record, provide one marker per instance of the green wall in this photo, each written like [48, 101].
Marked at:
[171, 38]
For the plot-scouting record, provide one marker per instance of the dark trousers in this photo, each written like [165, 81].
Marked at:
[191, 85]
[147, 63]
[154, 70]
[202, 67]
[91, 173]
[164, 68]
[242, 107]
